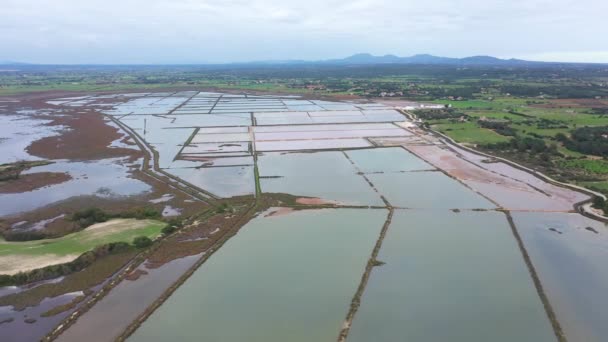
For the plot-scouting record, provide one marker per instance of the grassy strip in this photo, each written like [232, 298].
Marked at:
[371, 263]
[90, 276]
[63, 308]
[557, 329]
[80, 242]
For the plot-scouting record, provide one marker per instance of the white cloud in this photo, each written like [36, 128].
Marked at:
[153, 31]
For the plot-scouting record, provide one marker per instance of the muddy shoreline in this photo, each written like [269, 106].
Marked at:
[33, 181]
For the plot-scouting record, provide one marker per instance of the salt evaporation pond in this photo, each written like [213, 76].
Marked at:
[450, 277]
[428, 189]
[220, 181]
[392, 159]
[327, 175]
[570, 253]
[281, 278]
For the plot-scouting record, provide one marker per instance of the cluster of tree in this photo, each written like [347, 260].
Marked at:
[587, 140]
[600, 203]
[599, 111]
[438, 114]
[91, 216]
[514, 112]
[142, 242]
[54, 271]
[464, 92]
[524, 144]
[500, 127]
[550, 124]
[559, 91]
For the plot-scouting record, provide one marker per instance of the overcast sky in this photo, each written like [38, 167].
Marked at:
[199, 31]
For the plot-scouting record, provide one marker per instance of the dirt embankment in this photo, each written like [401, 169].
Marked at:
[33, 181]
[87, 137]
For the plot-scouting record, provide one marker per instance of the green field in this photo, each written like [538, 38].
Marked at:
[590, 165]
[469, 132]
[27, 255]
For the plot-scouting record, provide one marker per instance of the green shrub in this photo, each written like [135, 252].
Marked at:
[168, 230]
[90, 216]
[142, 242]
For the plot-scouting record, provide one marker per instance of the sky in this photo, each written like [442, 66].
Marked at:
[221, 31]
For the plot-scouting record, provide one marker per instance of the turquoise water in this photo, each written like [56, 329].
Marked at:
[281, 278]
[450, 277]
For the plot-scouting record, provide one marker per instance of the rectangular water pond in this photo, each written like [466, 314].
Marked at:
[569, 253]
[221, 181]
[287, 277]
[427, 189]
[326, 175]
[392, 159]
[456, 277]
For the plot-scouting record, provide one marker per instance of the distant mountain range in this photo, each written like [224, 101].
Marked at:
[369, 59]
[11, 63]
[366, 58]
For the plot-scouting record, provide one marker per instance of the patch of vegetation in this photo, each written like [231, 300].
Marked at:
[438, 114]
[470, 132]
[588, 140]
[101, 269]
[500, 127]
[142, 242]
[91, 216]
[79, 242]
[84, 244]
[224, 208]
[13, 171]
[54, 271]
[597, 166]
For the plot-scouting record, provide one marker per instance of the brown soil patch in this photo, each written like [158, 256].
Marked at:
[135, 274]
[194, 238]
[63, 308]
[273, 212]
[33, 181]
[87, 138]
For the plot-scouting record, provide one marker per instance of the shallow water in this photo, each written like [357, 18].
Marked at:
[17, 132]
[110, 316]
[103, 178]
[20, 331]
[221, 181]
[265, 285]
[327, 175]
[450, 277]
[427, 189]
[392, 159]
[571, 265]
